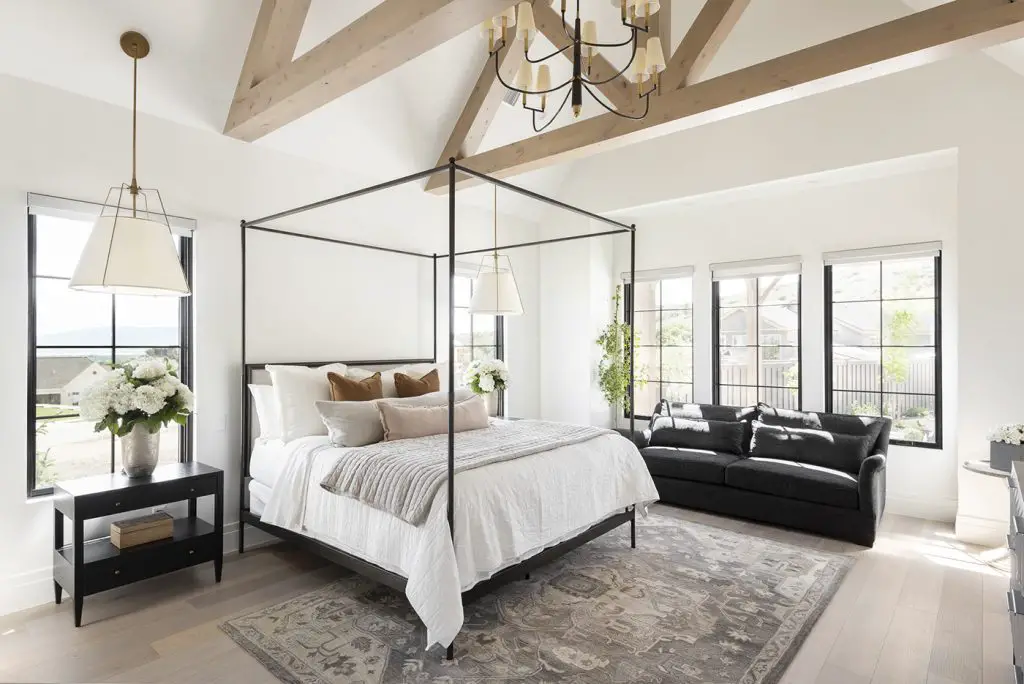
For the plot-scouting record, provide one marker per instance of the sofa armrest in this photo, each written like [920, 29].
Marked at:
[871, 485]
[641, 438]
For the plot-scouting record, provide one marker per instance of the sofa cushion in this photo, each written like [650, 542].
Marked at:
[691, 433]
[791, 480]
[687, 464]
[730, 414]
[816, 447]
[870, 426]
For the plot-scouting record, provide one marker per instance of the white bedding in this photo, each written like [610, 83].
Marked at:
[504, 512]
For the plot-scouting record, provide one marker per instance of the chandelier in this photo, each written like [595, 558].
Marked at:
[645, 63]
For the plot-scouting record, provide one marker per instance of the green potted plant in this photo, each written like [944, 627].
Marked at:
[615, 342]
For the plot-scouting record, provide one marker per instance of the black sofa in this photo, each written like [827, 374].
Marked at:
[818, 472]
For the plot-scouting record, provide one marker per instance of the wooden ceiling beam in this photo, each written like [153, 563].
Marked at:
[273, 42]
[920, 38]
[479, 111]
[702, 41]
[386, 37]
[620, 92]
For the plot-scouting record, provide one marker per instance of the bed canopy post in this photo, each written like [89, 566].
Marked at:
[450, 653]
[632, 323]
[246, 427]
[434, 356]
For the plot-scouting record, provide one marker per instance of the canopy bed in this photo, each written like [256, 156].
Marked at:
[548, 494]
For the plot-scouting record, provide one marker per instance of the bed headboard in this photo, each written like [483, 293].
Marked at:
[256, 374]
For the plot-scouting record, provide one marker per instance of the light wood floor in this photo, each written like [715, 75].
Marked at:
[918, 608]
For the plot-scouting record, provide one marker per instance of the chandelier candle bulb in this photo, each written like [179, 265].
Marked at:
[543, 83]
[507, 19]
[487, 30]
[527, 29]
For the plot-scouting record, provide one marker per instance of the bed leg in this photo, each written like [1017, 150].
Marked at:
[450, 653]
[527, 576]
[632, 530]
[241, 537]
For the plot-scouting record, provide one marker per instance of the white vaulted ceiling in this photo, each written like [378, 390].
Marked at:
[392, 126]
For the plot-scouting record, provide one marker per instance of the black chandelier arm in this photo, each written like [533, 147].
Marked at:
[631, 39]
[632, 57]
[544, 59]
[554, 116]
[645, 97]
[501, 80]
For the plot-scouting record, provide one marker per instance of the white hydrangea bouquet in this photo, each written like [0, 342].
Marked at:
[1006, 445]
[134, 400]
[1012, 433]
[486, 376]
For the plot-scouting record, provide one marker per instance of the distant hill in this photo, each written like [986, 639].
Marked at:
[132, 336]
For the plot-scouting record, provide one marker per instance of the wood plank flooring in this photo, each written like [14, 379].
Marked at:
[918, 608]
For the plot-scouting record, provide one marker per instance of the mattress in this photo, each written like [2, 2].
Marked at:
[504, 512]
[259, 495]
[269, 457]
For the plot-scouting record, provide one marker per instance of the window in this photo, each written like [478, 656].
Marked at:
[756, 336]
[476, 337]
[883, 342]
[74, 338]
[664, 331]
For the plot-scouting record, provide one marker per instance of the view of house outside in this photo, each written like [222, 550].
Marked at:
[884, 344]
[664, 330]
[759, 341]
[78, 338]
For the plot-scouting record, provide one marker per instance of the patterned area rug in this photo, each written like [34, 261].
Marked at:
[690, 604]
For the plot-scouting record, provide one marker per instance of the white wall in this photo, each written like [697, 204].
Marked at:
[970, 104]
[61, 144]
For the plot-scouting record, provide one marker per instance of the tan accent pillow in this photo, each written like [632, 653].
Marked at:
[406, 422]
[347, 389]
[408, 386]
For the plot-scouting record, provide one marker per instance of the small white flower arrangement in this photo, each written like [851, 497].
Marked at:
[1011, 433]
[484, 377]
[145, 390]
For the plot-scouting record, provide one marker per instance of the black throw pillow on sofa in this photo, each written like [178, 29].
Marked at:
[690, 433]
[814, 447]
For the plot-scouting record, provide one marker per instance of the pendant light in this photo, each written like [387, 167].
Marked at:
[495, 292]
[130, 249]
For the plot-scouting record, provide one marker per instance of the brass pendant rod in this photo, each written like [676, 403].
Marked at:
[135, 109]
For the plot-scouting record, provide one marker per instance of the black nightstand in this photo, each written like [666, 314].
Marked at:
[83, 568]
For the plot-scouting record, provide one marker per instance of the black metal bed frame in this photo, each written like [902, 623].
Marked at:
[363, 567]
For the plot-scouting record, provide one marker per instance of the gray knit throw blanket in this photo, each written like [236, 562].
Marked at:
[402, 477]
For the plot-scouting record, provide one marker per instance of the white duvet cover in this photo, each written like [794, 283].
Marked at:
[504, 512]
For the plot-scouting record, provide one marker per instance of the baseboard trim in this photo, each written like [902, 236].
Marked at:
[34, 588]
[943, 510]
[981, 531]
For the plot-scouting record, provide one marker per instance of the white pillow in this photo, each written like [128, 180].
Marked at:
[358, 423]
[268, 411]
[297, 390]
[387, 377]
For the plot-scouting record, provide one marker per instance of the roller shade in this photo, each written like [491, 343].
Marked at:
[755, 268]
[917, 250]
[62, 207]
[655, 274]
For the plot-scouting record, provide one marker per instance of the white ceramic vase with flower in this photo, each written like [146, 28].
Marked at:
[486, 377]
[134, 401]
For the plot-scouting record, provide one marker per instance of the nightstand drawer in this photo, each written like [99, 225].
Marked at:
[143, 496]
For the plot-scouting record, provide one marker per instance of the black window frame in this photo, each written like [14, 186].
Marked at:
[185, 363]
[499, 340]
[627, 298]
[829, 370]
[716, 342]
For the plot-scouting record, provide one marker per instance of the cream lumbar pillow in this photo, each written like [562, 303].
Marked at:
[297, 389]
[407, 422]
[357, 423]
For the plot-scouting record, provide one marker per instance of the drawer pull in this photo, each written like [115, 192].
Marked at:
[117, 572]
[117, 504]
[192, 490]
[191, 551]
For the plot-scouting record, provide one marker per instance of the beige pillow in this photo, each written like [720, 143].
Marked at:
[406, 422]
